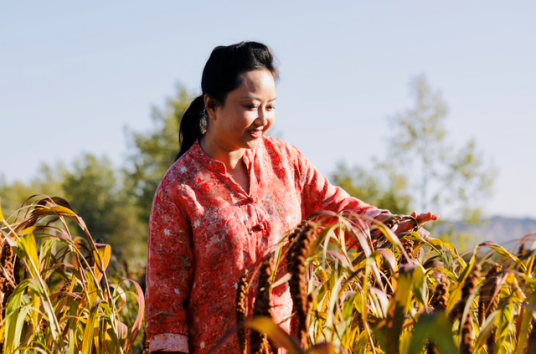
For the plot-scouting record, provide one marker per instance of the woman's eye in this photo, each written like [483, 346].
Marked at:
[252, 107]
[271, 108]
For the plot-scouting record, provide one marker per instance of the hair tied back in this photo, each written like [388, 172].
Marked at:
[193, 124]
[221, 75]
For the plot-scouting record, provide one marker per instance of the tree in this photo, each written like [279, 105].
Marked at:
[152, 153]
[423, 170]
[48, 181]
[444, 178]
[92, 189]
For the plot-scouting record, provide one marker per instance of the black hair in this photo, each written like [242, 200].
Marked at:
[221, 75]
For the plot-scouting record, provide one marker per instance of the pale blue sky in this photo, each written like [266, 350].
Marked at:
[73, 74]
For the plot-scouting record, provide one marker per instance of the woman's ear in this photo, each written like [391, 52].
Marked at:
[210, 106]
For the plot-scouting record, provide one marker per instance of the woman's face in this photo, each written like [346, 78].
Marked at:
[247, 113]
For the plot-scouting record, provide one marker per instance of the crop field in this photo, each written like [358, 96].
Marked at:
[360, 290]
[355, 285]
[57, 292]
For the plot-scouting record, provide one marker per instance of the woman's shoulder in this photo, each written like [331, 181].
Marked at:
[180, 174]
[279, 147]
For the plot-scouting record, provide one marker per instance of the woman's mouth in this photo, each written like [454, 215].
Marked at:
[257, 133]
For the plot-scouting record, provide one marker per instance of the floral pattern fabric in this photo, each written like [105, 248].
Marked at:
[205, 230]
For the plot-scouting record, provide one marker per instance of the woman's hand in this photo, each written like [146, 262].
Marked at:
[408, 225]
[422, 219]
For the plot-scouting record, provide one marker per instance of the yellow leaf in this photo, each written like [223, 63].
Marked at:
[102, 259]
[92, 288]
[436, 243]
[62, 210]
[29, 247]
[55, 210]
[27, 230]
[275, 333]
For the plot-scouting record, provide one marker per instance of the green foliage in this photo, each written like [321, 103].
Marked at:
[106, 209]
[92, 187]
[47, 181]
[382, 186]
[153, 152]
[92, 184]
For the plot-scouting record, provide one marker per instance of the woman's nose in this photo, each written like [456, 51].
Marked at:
[262, 118]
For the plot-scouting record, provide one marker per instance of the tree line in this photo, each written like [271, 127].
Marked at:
[422, 171]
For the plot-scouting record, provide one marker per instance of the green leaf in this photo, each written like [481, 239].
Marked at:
[436, 327]
[485, 331]
[398, 308]
[16, 314]
[419, 286]
[525, 325]
[92, 319]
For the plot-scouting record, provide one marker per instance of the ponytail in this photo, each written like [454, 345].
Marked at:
[193, 124]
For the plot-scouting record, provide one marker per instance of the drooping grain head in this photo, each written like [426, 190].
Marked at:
[259, 341]
[487, 303]
[241, 312]
[302, 301]
[439, 299]
[6, 260]
[146, 343]
[408, 247]
[466, 345]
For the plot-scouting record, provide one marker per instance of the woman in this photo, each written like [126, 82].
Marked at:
[226, 200]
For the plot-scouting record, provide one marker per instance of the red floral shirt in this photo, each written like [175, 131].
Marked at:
[205, 231]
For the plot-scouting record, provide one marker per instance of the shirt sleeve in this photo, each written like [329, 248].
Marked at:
[318, 194]
[169, 270]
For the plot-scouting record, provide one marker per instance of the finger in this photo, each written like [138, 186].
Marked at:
[423, 218]
[432, 216]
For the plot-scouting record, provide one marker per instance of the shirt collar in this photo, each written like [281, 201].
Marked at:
[217, 166]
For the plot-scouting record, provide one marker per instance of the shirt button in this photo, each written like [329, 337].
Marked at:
[261, 227]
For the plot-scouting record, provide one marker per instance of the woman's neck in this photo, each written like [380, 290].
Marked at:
[230, 158]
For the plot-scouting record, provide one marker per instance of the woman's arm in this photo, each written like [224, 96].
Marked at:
[319, 194]
[169, 270]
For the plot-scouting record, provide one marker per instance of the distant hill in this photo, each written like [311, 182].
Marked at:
[498, 229]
